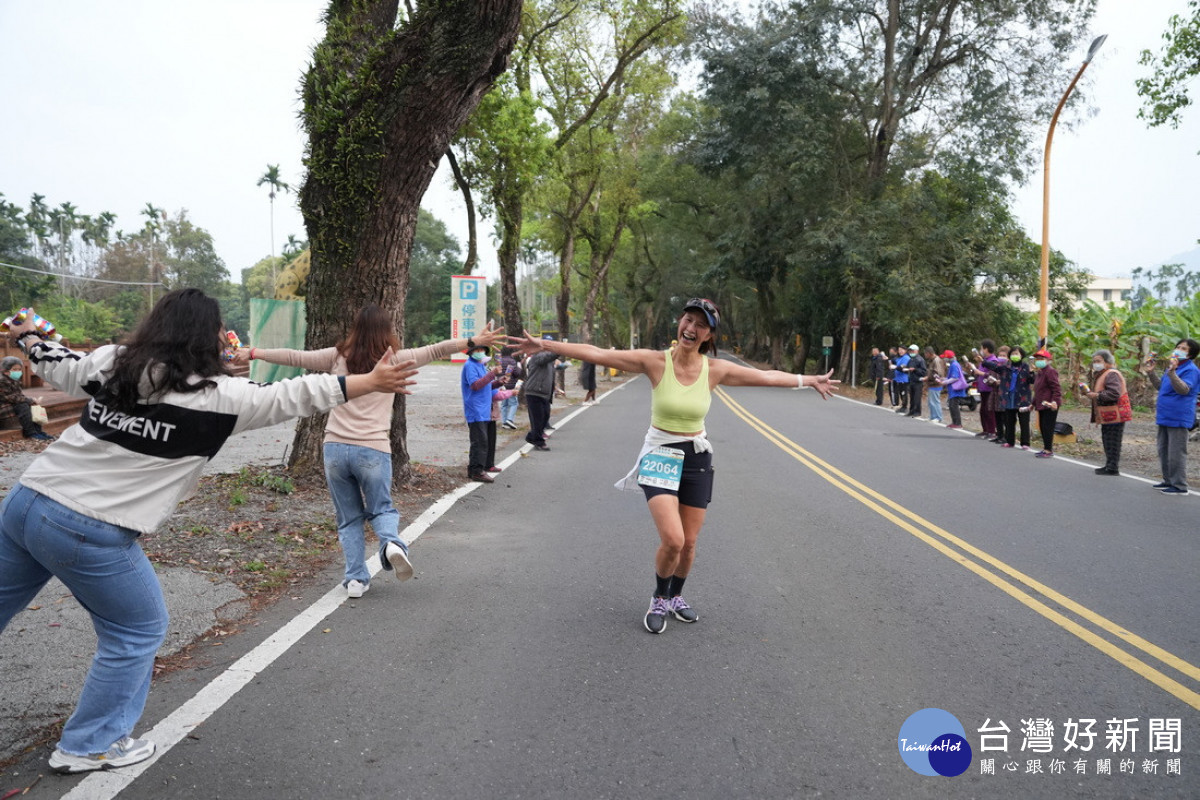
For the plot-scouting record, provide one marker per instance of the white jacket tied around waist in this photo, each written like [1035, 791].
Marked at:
[132, 470]
[659, 438]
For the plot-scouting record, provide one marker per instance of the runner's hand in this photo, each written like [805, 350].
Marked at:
[824, 385]
[394, 378]
[491, 337]
[529, 345]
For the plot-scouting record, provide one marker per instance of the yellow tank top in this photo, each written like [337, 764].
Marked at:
[675, 407]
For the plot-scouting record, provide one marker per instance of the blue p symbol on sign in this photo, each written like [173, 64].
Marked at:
[468, 290]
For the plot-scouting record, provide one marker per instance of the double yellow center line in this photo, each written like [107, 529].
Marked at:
[1008, 579]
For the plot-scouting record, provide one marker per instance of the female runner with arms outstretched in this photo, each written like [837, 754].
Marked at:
[675, 466]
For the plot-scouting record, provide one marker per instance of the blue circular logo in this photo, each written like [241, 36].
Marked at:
[934, 742]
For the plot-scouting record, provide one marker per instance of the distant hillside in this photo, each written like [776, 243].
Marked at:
[1189, 259]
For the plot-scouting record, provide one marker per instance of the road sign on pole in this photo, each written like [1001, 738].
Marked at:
[854, 348]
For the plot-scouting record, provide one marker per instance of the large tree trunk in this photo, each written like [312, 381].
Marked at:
[577, 203]
[510, 211]
[566, 259]
[381, 103]
[601, 263]
[469, 201]
[885, 123]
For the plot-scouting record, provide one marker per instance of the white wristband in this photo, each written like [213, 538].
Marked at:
[799, 381]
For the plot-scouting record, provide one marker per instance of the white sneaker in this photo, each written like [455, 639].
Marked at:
[357, 588]
[399, 560]
[124, 752]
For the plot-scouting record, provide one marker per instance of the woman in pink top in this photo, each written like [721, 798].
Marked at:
[357, 447]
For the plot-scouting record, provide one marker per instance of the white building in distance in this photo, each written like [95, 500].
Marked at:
[1100, 290]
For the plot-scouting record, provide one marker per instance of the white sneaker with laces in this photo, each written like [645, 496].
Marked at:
[399, 560]
[357, 588]
[124, 752]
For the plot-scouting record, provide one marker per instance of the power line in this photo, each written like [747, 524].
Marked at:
[80, 277]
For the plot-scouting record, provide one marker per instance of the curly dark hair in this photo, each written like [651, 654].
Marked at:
[369, 338]
[177, 347]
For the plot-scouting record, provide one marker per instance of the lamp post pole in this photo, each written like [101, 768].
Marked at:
[1044, 297]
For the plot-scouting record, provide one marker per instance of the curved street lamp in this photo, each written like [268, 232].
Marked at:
[1043, 318]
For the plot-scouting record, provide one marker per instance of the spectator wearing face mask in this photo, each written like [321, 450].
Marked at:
[1017, 389]
[15, 407]
[1176, 414]
[916, 370]
[1047, 397]
[1106, 389]
[998, 379]
[480, 389]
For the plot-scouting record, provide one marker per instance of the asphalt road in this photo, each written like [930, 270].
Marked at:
[855, 568]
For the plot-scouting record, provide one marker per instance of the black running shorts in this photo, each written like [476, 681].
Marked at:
[695, 488]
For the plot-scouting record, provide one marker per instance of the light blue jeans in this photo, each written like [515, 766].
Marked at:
[935, 403]
[360, 483]
[508, 409]
[104, 567]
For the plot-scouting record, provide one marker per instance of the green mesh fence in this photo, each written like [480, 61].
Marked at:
[276, 323]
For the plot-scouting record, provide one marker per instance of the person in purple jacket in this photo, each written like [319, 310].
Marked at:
[984, 368]
[955, 384]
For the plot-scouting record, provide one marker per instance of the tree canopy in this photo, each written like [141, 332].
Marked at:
[1166, 93]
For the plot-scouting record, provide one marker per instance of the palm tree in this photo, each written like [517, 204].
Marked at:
[65, 221]
[271, 178]
[293, 247]
[154, 219]
[36, 220]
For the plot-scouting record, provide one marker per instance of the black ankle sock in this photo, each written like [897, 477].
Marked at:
[676, 587]
[662, 586]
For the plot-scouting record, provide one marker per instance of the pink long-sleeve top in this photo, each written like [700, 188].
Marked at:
[366, 420]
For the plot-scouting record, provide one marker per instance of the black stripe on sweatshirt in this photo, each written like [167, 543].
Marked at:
[160, 430]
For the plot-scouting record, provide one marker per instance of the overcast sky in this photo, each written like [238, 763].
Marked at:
[112, 105]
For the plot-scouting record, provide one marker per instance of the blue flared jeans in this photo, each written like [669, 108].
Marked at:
[508, 409]
[935, 404]
[360, 483]
[104, 567]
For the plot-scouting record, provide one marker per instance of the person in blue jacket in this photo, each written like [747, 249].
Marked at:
[479, 381]
[1176, 414]
[900, 379]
